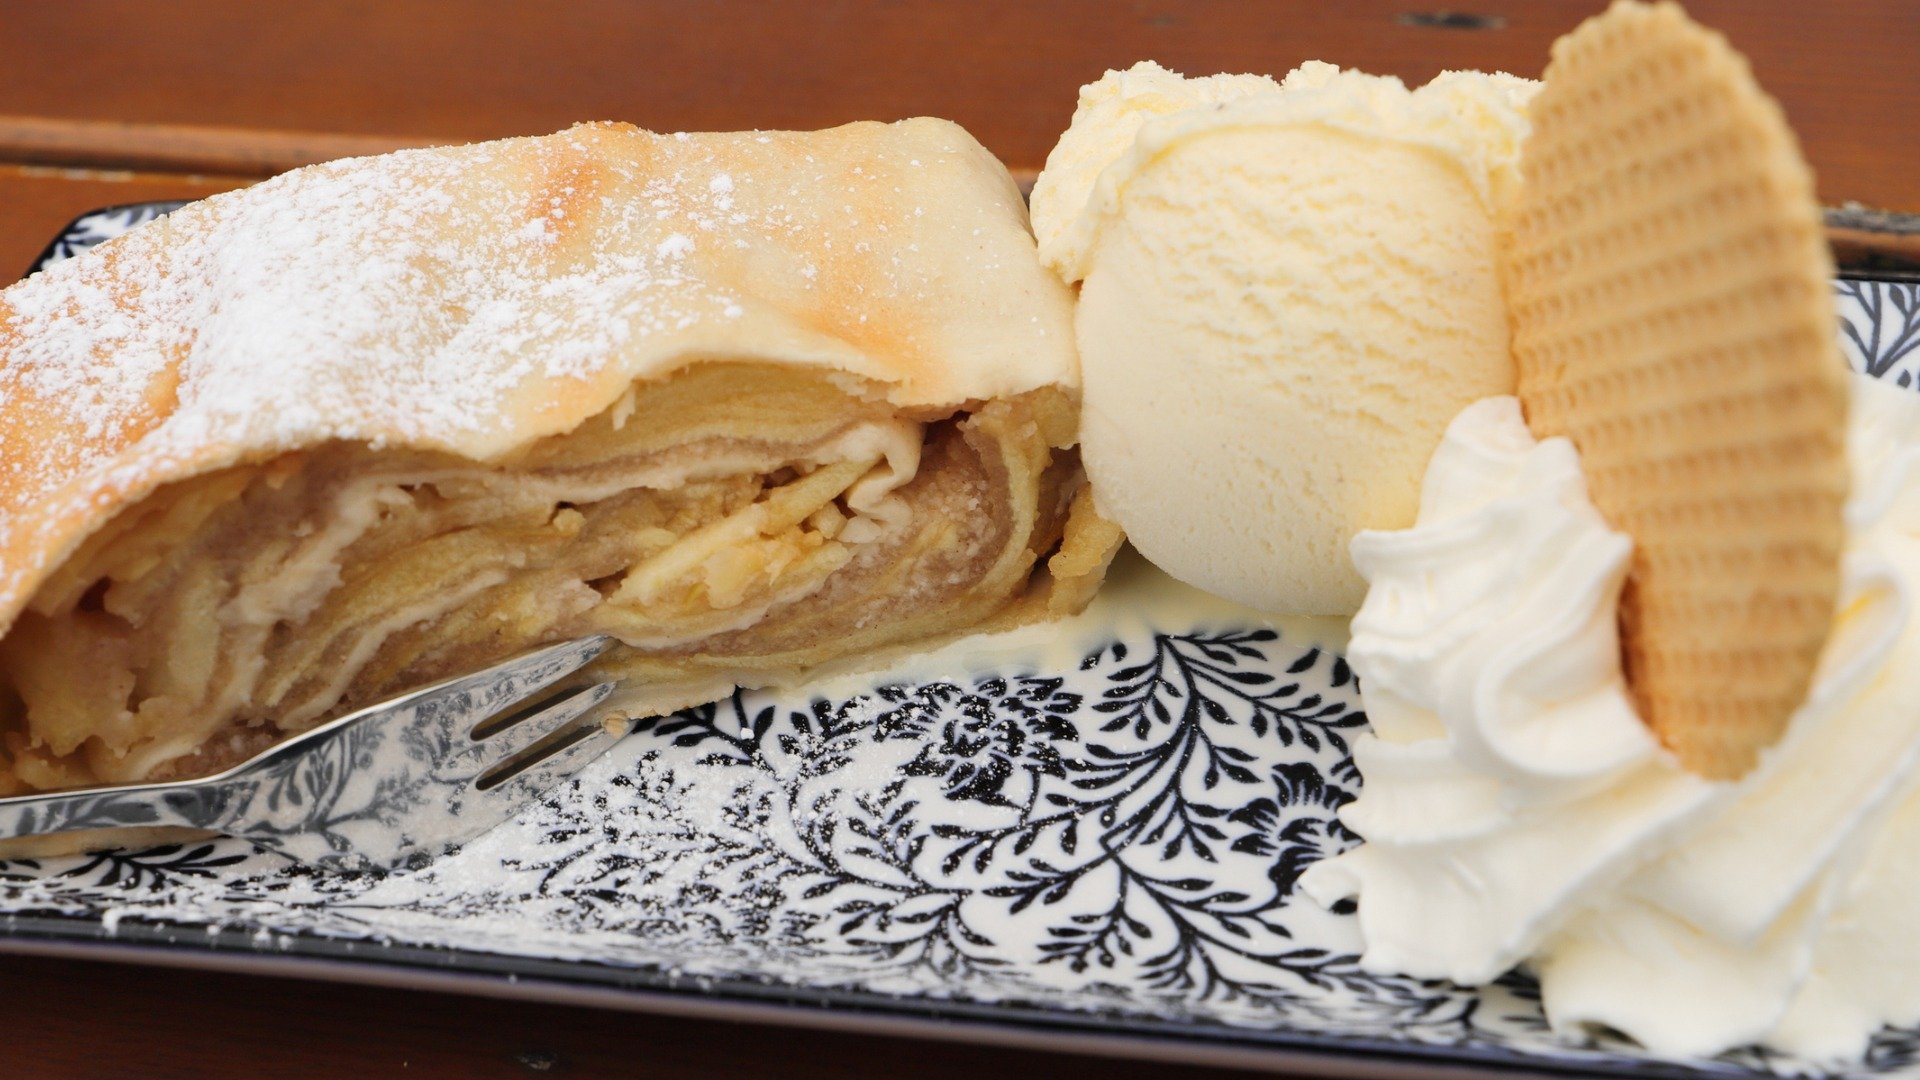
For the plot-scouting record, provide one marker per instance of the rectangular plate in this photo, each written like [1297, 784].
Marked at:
[1087, 841]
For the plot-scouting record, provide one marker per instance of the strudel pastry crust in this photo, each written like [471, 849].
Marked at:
[751, 403]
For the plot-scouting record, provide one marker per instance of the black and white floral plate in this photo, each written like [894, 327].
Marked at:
[1089, 846]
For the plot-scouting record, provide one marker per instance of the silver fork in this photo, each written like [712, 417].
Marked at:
[389, 785]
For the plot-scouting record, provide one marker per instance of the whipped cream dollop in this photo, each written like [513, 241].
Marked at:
[1516, 810]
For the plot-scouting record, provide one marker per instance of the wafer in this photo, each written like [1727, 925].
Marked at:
[1673, 316]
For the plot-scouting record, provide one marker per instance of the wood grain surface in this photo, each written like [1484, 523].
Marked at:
[1848, 71]
[86, 1021]
[180, 148]
[113, 101]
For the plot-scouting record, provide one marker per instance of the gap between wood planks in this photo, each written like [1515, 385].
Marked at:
[109, 150]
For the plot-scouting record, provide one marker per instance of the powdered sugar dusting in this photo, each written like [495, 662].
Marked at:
[401, 298]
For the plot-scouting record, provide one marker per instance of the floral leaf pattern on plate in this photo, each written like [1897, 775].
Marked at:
[1880, 328]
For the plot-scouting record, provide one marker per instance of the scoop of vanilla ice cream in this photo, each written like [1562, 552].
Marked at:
[1287, 290]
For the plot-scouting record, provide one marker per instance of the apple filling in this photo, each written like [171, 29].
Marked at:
[735, 524]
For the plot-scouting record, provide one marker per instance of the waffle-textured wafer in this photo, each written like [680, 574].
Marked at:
[1669, 285]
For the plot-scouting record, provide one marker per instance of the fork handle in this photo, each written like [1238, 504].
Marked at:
[192, 805]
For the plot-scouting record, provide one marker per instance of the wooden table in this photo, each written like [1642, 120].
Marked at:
[111, 101]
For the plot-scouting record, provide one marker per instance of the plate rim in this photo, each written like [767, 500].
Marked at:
[506, 976]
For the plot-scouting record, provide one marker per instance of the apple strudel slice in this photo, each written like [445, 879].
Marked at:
[751, 403]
